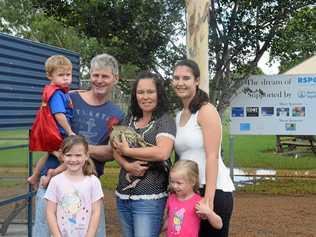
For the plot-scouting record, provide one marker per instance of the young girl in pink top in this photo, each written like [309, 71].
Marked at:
[74, 196]
[183, 209]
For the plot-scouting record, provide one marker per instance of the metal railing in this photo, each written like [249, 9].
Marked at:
[27, 196]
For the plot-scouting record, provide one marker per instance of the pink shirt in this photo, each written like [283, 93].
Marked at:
[74, 202]
[182, 219]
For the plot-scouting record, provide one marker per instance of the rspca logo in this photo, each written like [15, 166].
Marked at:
[301, 94]
[306, 80]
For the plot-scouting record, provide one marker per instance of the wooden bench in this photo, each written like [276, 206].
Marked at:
[292, 142]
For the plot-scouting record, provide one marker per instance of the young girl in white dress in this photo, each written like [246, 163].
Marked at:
[74, 196]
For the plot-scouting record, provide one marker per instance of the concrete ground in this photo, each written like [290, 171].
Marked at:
[16, 230]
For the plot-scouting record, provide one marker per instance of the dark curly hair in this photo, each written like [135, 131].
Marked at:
[201, 97]
[162, 101]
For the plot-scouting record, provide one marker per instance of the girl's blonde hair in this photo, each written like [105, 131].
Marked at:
[189, 170]
[88, 167]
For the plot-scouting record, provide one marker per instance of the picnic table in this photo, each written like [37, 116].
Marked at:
[291, 142]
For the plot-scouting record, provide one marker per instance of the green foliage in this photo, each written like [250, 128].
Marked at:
[142, 35]
[135, 32]
[128, 72]
[22, 19]
[297, 41]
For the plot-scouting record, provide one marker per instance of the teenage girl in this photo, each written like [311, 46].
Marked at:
[199, 135]
[74, 196]
[183, 209]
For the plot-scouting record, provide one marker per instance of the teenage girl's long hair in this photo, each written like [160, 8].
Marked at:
[88, 167]
[201, 97]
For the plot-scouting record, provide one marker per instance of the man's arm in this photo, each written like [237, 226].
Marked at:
[101, 152]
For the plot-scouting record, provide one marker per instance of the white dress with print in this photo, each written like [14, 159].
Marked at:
[74, 202]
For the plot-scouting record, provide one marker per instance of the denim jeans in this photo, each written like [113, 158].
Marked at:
[101, 227]
[141, 218]
[41, 228]
[51, 163]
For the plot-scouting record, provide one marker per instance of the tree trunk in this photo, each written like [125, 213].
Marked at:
[197, 37]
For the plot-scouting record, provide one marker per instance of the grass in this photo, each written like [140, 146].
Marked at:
[277, 187]
[282, 187]
[17, 133]
[249, 152]
[110, 178]
[9, 183]
[258, 152]
[17, 157]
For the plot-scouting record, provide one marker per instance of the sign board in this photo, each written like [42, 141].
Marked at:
[275, 105]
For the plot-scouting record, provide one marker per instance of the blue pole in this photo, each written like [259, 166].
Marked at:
[29, 206]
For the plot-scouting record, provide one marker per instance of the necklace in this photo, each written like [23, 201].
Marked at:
[143, 130]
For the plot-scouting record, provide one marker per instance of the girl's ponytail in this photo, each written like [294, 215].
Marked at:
[89, 168]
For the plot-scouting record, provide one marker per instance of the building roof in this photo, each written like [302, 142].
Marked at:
[306, 67]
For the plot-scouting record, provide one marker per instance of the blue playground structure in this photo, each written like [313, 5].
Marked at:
[22, 78]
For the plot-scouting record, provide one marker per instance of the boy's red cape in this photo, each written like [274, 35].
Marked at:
[45, 135]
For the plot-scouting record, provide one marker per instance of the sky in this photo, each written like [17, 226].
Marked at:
[265, 67]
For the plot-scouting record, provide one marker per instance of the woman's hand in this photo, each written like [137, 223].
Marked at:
[203, 206]
[121, 148]
[202, 209]
[207, 201]
[137, 168]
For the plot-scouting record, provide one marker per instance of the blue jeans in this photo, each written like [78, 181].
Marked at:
[51, 163]
[41, 228]
[141, 218]
[101, 227]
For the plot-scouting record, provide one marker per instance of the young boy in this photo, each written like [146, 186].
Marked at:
[53, 116]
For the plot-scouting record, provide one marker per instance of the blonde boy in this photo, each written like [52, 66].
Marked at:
[59, 71]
